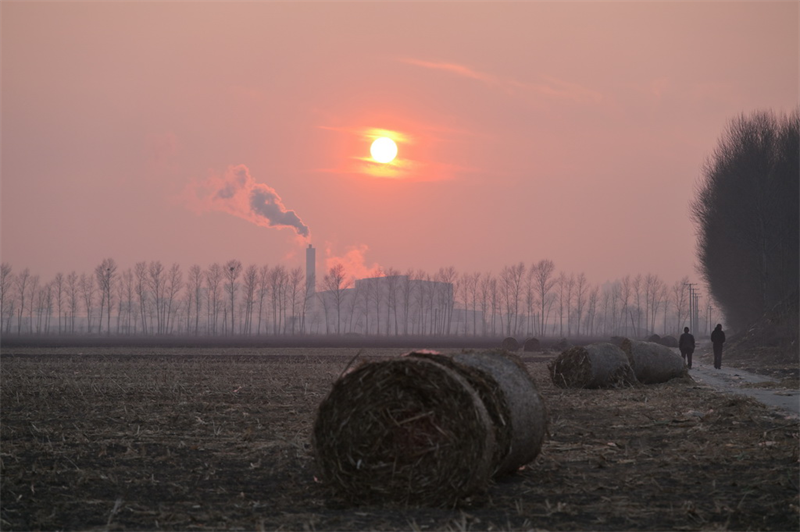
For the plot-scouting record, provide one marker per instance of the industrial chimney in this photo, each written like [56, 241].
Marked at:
[311, 271]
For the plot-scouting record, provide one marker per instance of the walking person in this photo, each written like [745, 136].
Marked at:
[686, 345]
[718, 338]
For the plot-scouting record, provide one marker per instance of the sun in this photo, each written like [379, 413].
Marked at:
[383, 150]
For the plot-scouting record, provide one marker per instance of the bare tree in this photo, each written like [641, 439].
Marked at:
[172, 286]
[22, 281]
[249, 283]
[72, 299]
[142, 294]
[58, 294]
[543, 275]
[213, 280]
[88, 291]
[581, 287]
[263, 290]
[196, 280]
[105, 272]
[233, 268]
[335, 284]
[6, 283]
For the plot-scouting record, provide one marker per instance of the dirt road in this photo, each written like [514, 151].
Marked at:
[737, 381]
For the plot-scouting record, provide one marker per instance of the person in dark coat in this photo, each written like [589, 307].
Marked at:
[718, 338]
[686, 345]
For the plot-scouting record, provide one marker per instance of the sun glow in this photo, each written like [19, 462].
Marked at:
[383, 150]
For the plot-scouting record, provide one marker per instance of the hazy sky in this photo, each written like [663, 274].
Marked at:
[202, 132]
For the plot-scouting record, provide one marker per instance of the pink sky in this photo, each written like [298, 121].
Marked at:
[574, 132]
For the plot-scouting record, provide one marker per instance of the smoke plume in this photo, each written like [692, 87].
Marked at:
[237, 193]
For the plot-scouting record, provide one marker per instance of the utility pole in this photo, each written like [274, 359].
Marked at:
[694, 299]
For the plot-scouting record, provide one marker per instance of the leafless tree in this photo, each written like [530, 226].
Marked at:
[72, 299]
[249, 284]
[277, 280]
[233, 268]
[6, 301]
[142, 295]
[88, 291]
[196, 280]
[105, 272]
[263, 291]
[543, 275]
[172, 286]
[335, 284]
[213, 280]
[581, 287]
[22, 282]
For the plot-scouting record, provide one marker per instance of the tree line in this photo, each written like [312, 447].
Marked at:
[225, 299]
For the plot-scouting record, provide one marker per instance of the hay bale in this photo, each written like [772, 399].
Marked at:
[510, 344]
[491, 394]
[528, 416]
[669, 341]
[653, 363]
[531, 344]
[406, 431]
[601, 365]
[563, 345]
[654, 338]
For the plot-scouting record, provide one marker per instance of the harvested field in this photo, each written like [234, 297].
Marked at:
[177, 439]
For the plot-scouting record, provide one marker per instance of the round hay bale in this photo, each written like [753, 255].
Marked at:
[601, 365]
[407, 431]
[654, 338]
[528, 416]
[563, 345]
[510, 344]
[490, 393]
[531, 344]
[669, 341]
[653, 363]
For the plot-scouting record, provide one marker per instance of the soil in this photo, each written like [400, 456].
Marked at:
[141, 438]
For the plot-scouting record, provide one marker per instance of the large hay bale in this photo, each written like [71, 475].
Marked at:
[654, 338]
[510, 344]
[406, 431]
[653, 363]
[518, 390]
[563, 345]
[601, 365]
[531, 344]
[490, 392]
[669, 341]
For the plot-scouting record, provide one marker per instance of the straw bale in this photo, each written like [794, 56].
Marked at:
[600, 365]
[669, 341]
[653, 363]
[532, 344]
[563, 344]
[510, 344]
[654, 338]
[528, 416]
[403, 431]
[490, 393]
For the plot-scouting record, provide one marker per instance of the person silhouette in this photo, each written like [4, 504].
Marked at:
[717, 339]
[686, 345]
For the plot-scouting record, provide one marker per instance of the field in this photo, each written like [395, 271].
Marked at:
[190, 438]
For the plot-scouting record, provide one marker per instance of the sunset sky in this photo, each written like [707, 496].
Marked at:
[203, 132]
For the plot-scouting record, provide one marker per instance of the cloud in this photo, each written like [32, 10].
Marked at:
[548, 86]
[237, 193]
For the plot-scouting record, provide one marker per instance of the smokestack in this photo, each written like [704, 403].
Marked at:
[311, 271]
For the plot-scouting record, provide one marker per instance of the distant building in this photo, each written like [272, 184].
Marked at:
[389, 305]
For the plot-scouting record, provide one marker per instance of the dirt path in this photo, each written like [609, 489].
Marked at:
[738, 381]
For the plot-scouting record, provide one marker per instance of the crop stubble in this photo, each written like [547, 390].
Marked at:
[176, 438]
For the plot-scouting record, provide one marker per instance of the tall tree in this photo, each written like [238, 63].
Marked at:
[232, 270]
[746, 212]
